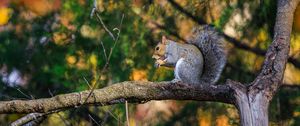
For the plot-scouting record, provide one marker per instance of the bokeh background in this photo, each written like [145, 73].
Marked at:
[50, 47]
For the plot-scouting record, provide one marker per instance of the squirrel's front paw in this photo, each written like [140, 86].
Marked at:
[159, 62]
[156, 65]
[175, 81]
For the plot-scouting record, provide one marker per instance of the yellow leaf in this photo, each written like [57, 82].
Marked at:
[296, 114]
[5, 14]
[93, 60]
[262, 36]
[60, 38]
[71, 59]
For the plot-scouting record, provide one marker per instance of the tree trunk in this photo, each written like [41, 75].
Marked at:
[253, 100]
[253, 110]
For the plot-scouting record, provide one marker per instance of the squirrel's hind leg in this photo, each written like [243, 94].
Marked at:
[178, 68]
[186, 72]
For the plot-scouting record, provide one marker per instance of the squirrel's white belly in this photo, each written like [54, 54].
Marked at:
[176, 71]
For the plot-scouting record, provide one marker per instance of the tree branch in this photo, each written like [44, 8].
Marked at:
[200, 21]
[270, 78]
[132, 91]
[290, 87]
[253, 103]
[32, 119]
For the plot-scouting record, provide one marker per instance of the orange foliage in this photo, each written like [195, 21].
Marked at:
[297, 19]
[149, 111]
[137, 3]
[4, 3]
[82, 2]
[205, 121]
[41, 7]
[138, 75]
[204, 118]
[66, 19]
[71, 59]
[185, 26]
[60, 38]
[222, 120]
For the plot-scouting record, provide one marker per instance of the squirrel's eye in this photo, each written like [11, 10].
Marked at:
[157, 48]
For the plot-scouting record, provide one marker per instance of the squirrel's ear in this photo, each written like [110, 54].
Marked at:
[164, 40]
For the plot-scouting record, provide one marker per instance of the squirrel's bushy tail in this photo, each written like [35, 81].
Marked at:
[212, 46]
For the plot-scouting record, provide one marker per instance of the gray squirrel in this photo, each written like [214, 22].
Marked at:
[199, 61]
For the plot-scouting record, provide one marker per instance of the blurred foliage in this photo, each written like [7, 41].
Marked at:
[49, 47]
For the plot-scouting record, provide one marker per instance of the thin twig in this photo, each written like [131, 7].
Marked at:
[105, 28]
[118, 35]
[94, 120]
[27, 96]
[108, 111]
[127, 115]
[104, 51]
[107, 114]
[31, 117]
[87, 82]
[108, 59]
[95, 4]
[92, 90]
[28, 118]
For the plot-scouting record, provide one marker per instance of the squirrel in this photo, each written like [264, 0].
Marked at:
[199, 61]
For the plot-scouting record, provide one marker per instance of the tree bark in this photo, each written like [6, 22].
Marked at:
[253, 112]
[131, 91]
[253, 101]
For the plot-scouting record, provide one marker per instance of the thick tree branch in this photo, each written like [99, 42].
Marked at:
[253, 103]
[272, 71]
[132, 91]
[290, 87]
